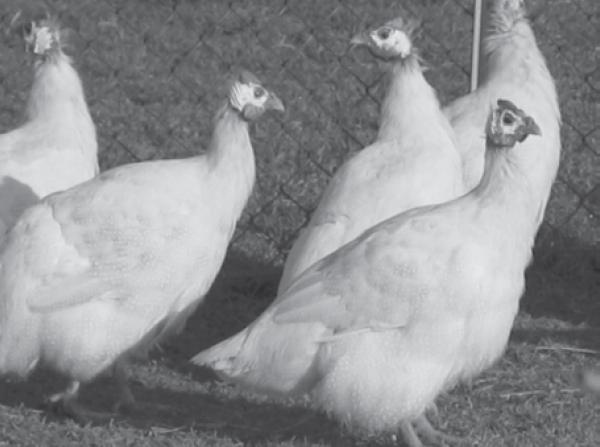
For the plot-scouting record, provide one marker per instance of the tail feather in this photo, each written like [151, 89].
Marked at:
[222, 357]
[271, 358]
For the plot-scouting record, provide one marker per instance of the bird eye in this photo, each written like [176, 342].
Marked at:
[384, 33]
[259, 92]
[508, 119]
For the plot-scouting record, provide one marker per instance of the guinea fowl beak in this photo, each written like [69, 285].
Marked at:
[532, 127]
[273, 102]
[359, 39]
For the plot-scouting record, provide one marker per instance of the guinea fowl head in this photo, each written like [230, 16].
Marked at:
[508, 125]
[504, 13]
[42, 37]
[516, 7]
[390, 41]
[250, 98]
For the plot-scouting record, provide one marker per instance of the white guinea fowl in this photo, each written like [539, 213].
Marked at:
[103, 271]
[56, 147]
[413, 161]
[376, 330]
[512, 67]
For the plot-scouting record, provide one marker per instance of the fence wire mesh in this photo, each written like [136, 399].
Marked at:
[155, 71]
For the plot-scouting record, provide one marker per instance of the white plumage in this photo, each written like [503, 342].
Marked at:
[376, 330]
[413, 162]
[104, 270]
[56, 148]
[512, 67]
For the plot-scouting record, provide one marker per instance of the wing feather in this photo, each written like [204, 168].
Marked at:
[82, 245]
[367, 284]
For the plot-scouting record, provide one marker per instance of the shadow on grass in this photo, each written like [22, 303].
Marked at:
[234, 417]
[164, 410]
[583, 338]
[563, 283]
[243, 289]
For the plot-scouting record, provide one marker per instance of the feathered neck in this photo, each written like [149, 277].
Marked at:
[56, 88]
[408, 95]
[501, 18]
[513, 59]
[506, 187]
[230, 154]
[230, 136]
[57, 101]
[510, 51]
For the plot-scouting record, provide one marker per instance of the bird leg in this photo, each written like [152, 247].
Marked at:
[126, 400]
[424, 427]
[68, 395]
[433, 413]
[409, 435]
[66, 403]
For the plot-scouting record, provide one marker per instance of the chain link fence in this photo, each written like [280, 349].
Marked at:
[155, 72]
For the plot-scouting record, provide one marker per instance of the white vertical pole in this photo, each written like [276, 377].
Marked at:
[476, 44]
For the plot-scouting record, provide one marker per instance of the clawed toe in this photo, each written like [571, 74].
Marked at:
[70, 408]
[421, 428]
[65, 404]
[434, 436]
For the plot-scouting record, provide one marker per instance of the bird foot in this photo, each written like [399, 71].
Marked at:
[434, 436]
[422, 426]
[131, 406]
[67, 406]
[409, 435]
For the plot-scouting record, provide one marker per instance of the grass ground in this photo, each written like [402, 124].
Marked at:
[153, 71]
